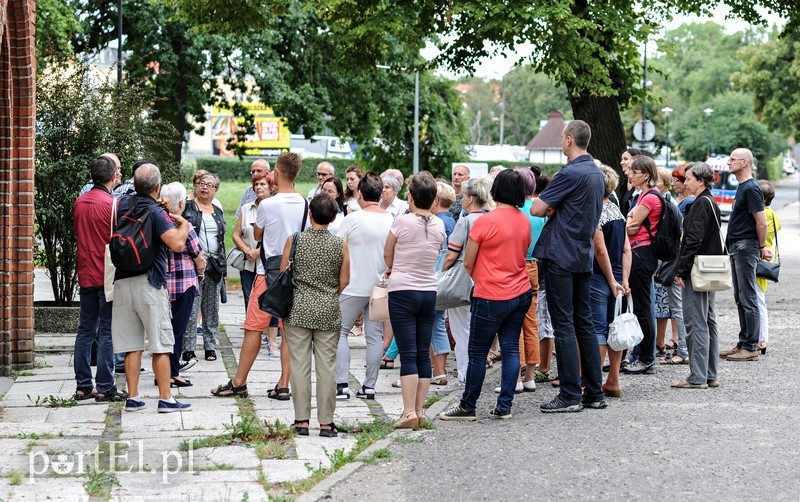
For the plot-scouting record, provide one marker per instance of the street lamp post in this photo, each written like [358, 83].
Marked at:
[666, 111]
[708, 112]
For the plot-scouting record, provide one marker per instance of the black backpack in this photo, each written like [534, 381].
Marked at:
[133, 247]
[667, 242]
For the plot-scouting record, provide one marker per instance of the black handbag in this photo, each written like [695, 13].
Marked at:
[665, 273]
[213, 269]
[277, 299]
[770, 270]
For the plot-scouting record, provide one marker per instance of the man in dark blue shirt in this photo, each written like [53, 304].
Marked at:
[746, 238]
[573, 202]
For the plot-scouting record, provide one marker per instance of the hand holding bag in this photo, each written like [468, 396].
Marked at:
[277, 299]
[108, 266]
[624, 332]
[379, 301]
[455, 284]
[712, 272]
[770, 270]
[236, 258]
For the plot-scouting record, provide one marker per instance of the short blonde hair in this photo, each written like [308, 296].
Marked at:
[610, 178]
[665, 175]
[445, 193]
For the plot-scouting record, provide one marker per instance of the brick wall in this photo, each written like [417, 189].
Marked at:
[17, 112]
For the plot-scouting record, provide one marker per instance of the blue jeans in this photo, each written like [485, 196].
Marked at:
[744, 258]
[439, 341]
[503, 318]
[411, 313]
[602, 303]
[181, 312]
[94, 324]
[568, 296]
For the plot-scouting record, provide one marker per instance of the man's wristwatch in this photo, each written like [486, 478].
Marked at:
[762, 247]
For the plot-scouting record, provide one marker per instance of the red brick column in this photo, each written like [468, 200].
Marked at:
[17, 133]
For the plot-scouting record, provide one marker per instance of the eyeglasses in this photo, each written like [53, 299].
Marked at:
[320, 175]
[677, 180]
[205, 185]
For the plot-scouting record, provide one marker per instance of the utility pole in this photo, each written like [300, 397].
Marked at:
[119, 43]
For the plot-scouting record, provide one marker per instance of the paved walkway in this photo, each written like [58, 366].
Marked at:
[42, 445]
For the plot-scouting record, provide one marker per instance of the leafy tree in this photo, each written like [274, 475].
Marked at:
[56, 23]
[732, 125]
[529, 98]
[771, 72]
[78, 119]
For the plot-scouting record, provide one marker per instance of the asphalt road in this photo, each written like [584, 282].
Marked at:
[738, 442]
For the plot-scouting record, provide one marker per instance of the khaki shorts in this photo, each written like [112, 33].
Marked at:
[256, 319]
[139, 310]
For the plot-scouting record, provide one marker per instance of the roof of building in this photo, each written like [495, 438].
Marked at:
[549, 136]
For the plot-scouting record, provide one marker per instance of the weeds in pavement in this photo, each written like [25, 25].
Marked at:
[271, 449]
[208, 442]
[100, 483]
[430, 401]
[409, 438]
[248, 430]
[53, 401]
[378, 457]
[34, 435]
[14, 478]
[22, 373]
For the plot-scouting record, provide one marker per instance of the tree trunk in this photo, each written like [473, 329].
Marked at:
[608, 136]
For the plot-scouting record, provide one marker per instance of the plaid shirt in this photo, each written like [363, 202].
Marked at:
[181, 274]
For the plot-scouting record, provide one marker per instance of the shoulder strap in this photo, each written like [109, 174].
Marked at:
[466, 239]
[294, 246]
[719, 225]
[114, 216]
[305, 217]
[646, 221]
[775, 229]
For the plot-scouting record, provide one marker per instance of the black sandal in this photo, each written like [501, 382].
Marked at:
[279, 393]
[301, 431]
[387, 364]
[329, 433]
[189, 355]
[85, 393]
[230, 390]
[211, 355]
[111, 396]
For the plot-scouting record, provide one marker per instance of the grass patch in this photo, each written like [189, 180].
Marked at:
[271, 449]
[53, 401]
[22, 373]
[248, 430]
[430, 401]
[14, 478]
[409, 438]
[378, 457]
[34, 435]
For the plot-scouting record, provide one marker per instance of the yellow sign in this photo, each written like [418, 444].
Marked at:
[271, 137]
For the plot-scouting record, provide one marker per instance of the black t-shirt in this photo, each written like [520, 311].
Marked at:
[749, 200]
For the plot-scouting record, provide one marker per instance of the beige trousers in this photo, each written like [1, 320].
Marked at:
[302, 341]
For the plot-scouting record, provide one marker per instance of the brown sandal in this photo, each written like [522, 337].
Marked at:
[230, 390]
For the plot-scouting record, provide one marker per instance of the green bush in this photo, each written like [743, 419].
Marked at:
[774, 170]
[239, 170]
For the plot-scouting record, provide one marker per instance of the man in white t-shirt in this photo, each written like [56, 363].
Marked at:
[278, 217]
[365, 232]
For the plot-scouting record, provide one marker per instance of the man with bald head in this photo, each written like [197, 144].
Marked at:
[141, 306]
[258, 168]
[324, 173]
[746, 241]
[460, 175]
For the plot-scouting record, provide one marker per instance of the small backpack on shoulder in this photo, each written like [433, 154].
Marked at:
[667, 242]
[133, 247]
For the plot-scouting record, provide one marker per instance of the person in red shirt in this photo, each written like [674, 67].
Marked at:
[92, 220]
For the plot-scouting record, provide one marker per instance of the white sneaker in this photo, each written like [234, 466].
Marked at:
[518, 389]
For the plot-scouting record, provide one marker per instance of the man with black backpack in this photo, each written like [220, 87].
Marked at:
[141, 307]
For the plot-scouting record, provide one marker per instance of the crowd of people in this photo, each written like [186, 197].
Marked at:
[548, 259]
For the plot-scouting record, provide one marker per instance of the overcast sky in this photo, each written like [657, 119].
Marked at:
[496, 67]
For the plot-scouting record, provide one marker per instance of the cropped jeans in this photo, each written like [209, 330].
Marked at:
[411, 314]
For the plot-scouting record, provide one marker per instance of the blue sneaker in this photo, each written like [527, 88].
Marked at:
[167, 407]
[131, 405]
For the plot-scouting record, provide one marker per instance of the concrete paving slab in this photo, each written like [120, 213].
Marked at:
[242, 458]
[184, 486]
[51, 489]
[281, 471]
[321, 449]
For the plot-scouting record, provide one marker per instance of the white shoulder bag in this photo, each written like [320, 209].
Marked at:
[624, 332]
[712, 272]
[109, 269]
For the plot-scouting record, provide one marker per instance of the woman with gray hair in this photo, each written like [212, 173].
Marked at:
[392, 184]
[701, 236]
[208, 222]
[183, 271]
[475, 201]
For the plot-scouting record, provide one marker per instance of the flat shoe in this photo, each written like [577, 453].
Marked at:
[611, 392]
[683, 384]
[529, 386]
[713, 384]
[397, 384]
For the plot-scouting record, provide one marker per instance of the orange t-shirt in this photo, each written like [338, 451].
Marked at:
[504, 236]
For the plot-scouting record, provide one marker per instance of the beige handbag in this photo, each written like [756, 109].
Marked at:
[379, 301]
[109, 269]
[712, 272]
